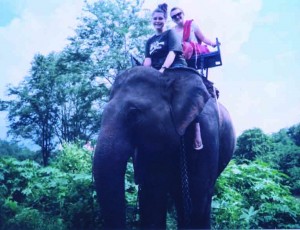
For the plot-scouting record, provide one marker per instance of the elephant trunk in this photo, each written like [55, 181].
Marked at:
[109, 166]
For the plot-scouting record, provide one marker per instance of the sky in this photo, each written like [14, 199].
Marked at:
[259, 80]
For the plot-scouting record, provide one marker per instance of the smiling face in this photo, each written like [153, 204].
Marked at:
[177, 16]
[158, 21]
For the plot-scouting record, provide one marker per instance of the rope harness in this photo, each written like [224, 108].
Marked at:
[185, 188]
[187, 201]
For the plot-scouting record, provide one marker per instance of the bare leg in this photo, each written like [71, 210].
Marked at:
[198, 140]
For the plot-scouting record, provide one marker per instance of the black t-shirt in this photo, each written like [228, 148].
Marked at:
[158, 47]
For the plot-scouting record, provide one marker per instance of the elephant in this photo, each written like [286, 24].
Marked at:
[150, 117]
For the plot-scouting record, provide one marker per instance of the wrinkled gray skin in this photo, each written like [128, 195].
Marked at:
[144, 119]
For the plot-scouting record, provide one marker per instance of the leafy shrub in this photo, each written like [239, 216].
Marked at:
[62, 196]
[252, 196]
[68, 197]
[73, 159]
[279, 149]
[27, 218]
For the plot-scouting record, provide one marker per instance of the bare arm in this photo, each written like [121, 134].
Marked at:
[169, 60]
[200, 36]
[147, 62]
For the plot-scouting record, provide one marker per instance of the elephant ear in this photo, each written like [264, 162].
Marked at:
[188, 96]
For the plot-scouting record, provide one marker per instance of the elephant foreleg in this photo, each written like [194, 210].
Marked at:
[153, 206]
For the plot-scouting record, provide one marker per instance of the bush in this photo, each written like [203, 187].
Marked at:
[252, 196]
[73, 159]
[62, 195]
[28, 218]
[65, 192]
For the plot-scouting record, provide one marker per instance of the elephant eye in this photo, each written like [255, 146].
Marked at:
[133, 114]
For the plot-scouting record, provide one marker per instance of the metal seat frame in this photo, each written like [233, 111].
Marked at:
[203, 62]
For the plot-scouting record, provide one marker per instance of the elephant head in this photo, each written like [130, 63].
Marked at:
[145, 117]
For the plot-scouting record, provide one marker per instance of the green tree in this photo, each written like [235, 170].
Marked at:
[62, 98]
[79, 97]
[13, 149]
[278, 149]
[294, 133]
[31, 114]
[111, 31]
[59, 101]
[251, 144]
[286, 156]
[100, 48]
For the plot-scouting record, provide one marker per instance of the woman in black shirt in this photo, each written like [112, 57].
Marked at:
[164, 49]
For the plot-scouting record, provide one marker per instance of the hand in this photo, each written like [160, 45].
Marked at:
[162, 69]
[214, 44]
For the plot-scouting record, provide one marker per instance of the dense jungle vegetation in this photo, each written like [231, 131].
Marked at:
[257, 190]
[58, 107]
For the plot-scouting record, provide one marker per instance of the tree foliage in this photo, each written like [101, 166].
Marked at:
[278, 149]
[13, 149]
[286, 156]
[55, 104]
[79, 98]
[109, 33]
[61, 99]
[251, 144]
[31, 113]
[294, 133]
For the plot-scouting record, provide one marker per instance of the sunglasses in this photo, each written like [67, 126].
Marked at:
[176, 15]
